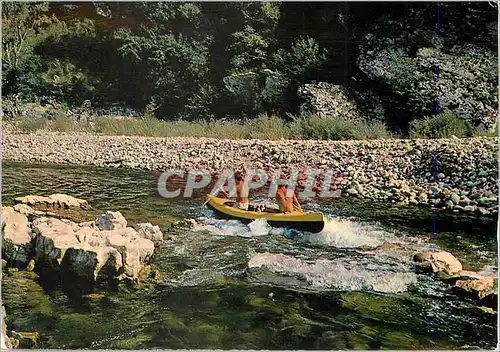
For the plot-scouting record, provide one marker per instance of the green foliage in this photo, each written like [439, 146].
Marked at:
[445, 126]
[63, 123]
[268, 127]
[482, 132]
[149, 111]
[300, 62]
[177, 54]
[30, 125]
[264, 127]
[315, 127]
[175, 63]
[59, 80]
[251, 44]
[24, 26]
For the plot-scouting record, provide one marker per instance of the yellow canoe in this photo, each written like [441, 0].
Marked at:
[305, 221]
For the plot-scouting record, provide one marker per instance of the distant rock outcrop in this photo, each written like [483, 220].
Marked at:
[465, 86]
[327, 100]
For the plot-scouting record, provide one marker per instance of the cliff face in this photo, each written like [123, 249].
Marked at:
[396, 62]
[440, 58]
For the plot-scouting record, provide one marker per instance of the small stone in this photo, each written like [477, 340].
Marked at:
[422, 197]
[448, 204]
[483, 211]
[455, 198]
[469, 209]
[464, 201]
[352, 191]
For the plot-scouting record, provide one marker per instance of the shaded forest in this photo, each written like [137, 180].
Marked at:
[232, 59]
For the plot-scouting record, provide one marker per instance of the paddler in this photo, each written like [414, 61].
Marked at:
[241, 198]
[286, 203]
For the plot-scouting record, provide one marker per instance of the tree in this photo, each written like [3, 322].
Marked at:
[24, 26]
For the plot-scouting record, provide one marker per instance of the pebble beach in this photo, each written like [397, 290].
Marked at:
[456, 175]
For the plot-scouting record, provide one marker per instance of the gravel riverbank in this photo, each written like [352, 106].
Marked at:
[393, 170]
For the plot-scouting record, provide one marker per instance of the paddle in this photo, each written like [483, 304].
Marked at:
[217, 190]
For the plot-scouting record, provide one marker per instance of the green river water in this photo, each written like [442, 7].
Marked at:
[226, 285]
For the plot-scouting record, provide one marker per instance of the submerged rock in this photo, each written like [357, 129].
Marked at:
[186, 223]
[490, 300]
[55, 200]
[25, 300]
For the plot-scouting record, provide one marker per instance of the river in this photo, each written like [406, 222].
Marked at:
[226, 285]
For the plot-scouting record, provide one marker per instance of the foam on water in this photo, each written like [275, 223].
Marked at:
[349, 234]
[337, 232]
[256, 228]
[343, 274]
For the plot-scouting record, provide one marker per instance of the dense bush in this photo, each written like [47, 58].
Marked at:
[315, 127]
[444, 126]
[177, 56]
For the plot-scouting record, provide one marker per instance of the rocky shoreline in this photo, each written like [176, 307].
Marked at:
[55, 251]
[43, 246]
[397, 171]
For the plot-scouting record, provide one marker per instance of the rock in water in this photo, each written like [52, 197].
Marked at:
[471, 284]
[82, 265]
[134, 250]
[15, 226]
[53, 238]
[438, 262]
[112, 220]
[5, 343]
[55, 200]
[16, 238]
[80, 254]
[153, 233]
[23, 209]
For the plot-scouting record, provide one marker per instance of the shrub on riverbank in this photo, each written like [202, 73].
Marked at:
[265, 127]
[315, 127]
[446, 125]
